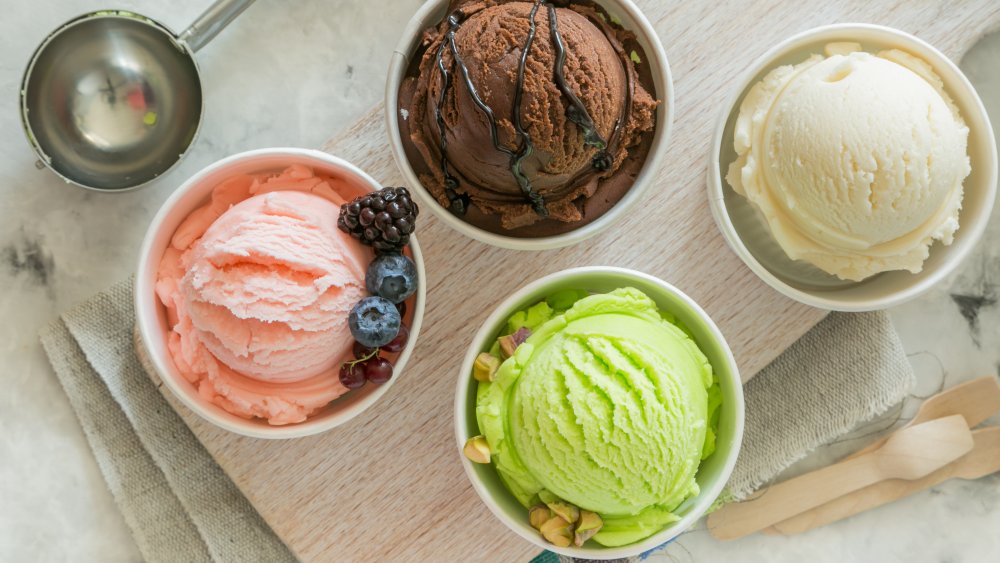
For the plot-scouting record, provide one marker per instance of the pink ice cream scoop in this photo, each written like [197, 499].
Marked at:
[258, 284]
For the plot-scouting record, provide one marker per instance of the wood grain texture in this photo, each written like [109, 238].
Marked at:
[389, 485]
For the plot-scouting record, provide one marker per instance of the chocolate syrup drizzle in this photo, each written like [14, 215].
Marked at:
[576, 113]
[537, 203]
[457, 203]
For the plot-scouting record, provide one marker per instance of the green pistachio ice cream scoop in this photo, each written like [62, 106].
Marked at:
[608, 405]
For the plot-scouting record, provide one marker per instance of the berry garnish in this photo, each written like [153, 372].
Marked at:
[378, 370]
[361, 351]
[383, 220]
[352, 375]
[392, 276]
[397, 344]
[374, 321]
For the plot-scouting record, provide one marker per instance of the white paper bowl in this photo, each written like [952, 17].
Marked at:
[714, 471]
[432, 13]
[151, 317]
[748, 235]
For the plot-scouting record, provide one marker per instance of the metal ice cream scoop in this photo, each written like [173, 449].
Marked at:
[112, 99]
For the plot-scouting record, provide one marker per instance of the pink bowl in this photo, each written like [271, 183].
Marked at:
[151, 319]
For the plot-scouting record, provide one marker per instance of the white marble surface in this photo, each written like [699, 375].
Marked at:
[59, 245]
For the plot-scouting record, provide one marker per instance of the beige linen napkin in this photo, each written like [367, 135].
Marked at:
[181, 506]
[178, 503]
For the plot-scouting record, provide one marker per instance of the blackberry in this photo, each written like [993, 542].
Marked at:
[383, 220]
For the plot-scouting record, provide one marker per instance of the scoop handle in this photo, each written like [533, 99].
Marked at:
[220, 14]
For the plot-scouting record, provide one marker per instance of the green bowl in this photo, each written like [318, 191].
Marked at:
[713, 472]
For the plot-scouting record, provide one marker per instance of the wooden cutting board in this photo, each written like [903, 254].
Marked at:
[389, 486]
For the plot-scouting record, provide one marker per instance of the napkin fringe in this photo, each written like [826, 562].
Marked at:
[847, 370]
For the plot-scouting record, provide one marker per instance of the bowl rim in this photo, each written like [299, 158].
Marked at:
[973, 229]
[145, 306]
[644, 180]
[465, 385]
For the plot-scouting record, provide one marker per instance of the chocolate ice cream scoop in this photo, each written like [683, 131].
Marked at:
[526, 110]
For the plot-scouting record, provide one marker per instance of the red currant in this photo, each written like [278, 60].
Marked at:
[378, 370]
[397, 344]
[360, 350]
[352, 375]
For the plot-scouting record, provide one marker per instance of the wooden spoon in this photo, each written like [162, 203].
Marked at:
[983, 460]
[910, 453]
[976, 400]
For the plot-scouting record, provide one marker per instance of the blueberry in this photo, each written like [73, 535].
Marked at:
[392, 276]
[374, 322]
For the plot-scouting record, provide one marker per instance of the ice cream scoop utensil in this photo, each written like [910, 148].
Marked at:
[112, 99]
[983, 460]
[911, 453]
[976, 400]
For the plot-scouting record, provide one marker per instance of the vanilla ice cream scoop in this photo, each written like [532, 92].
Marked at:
[855, 160]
